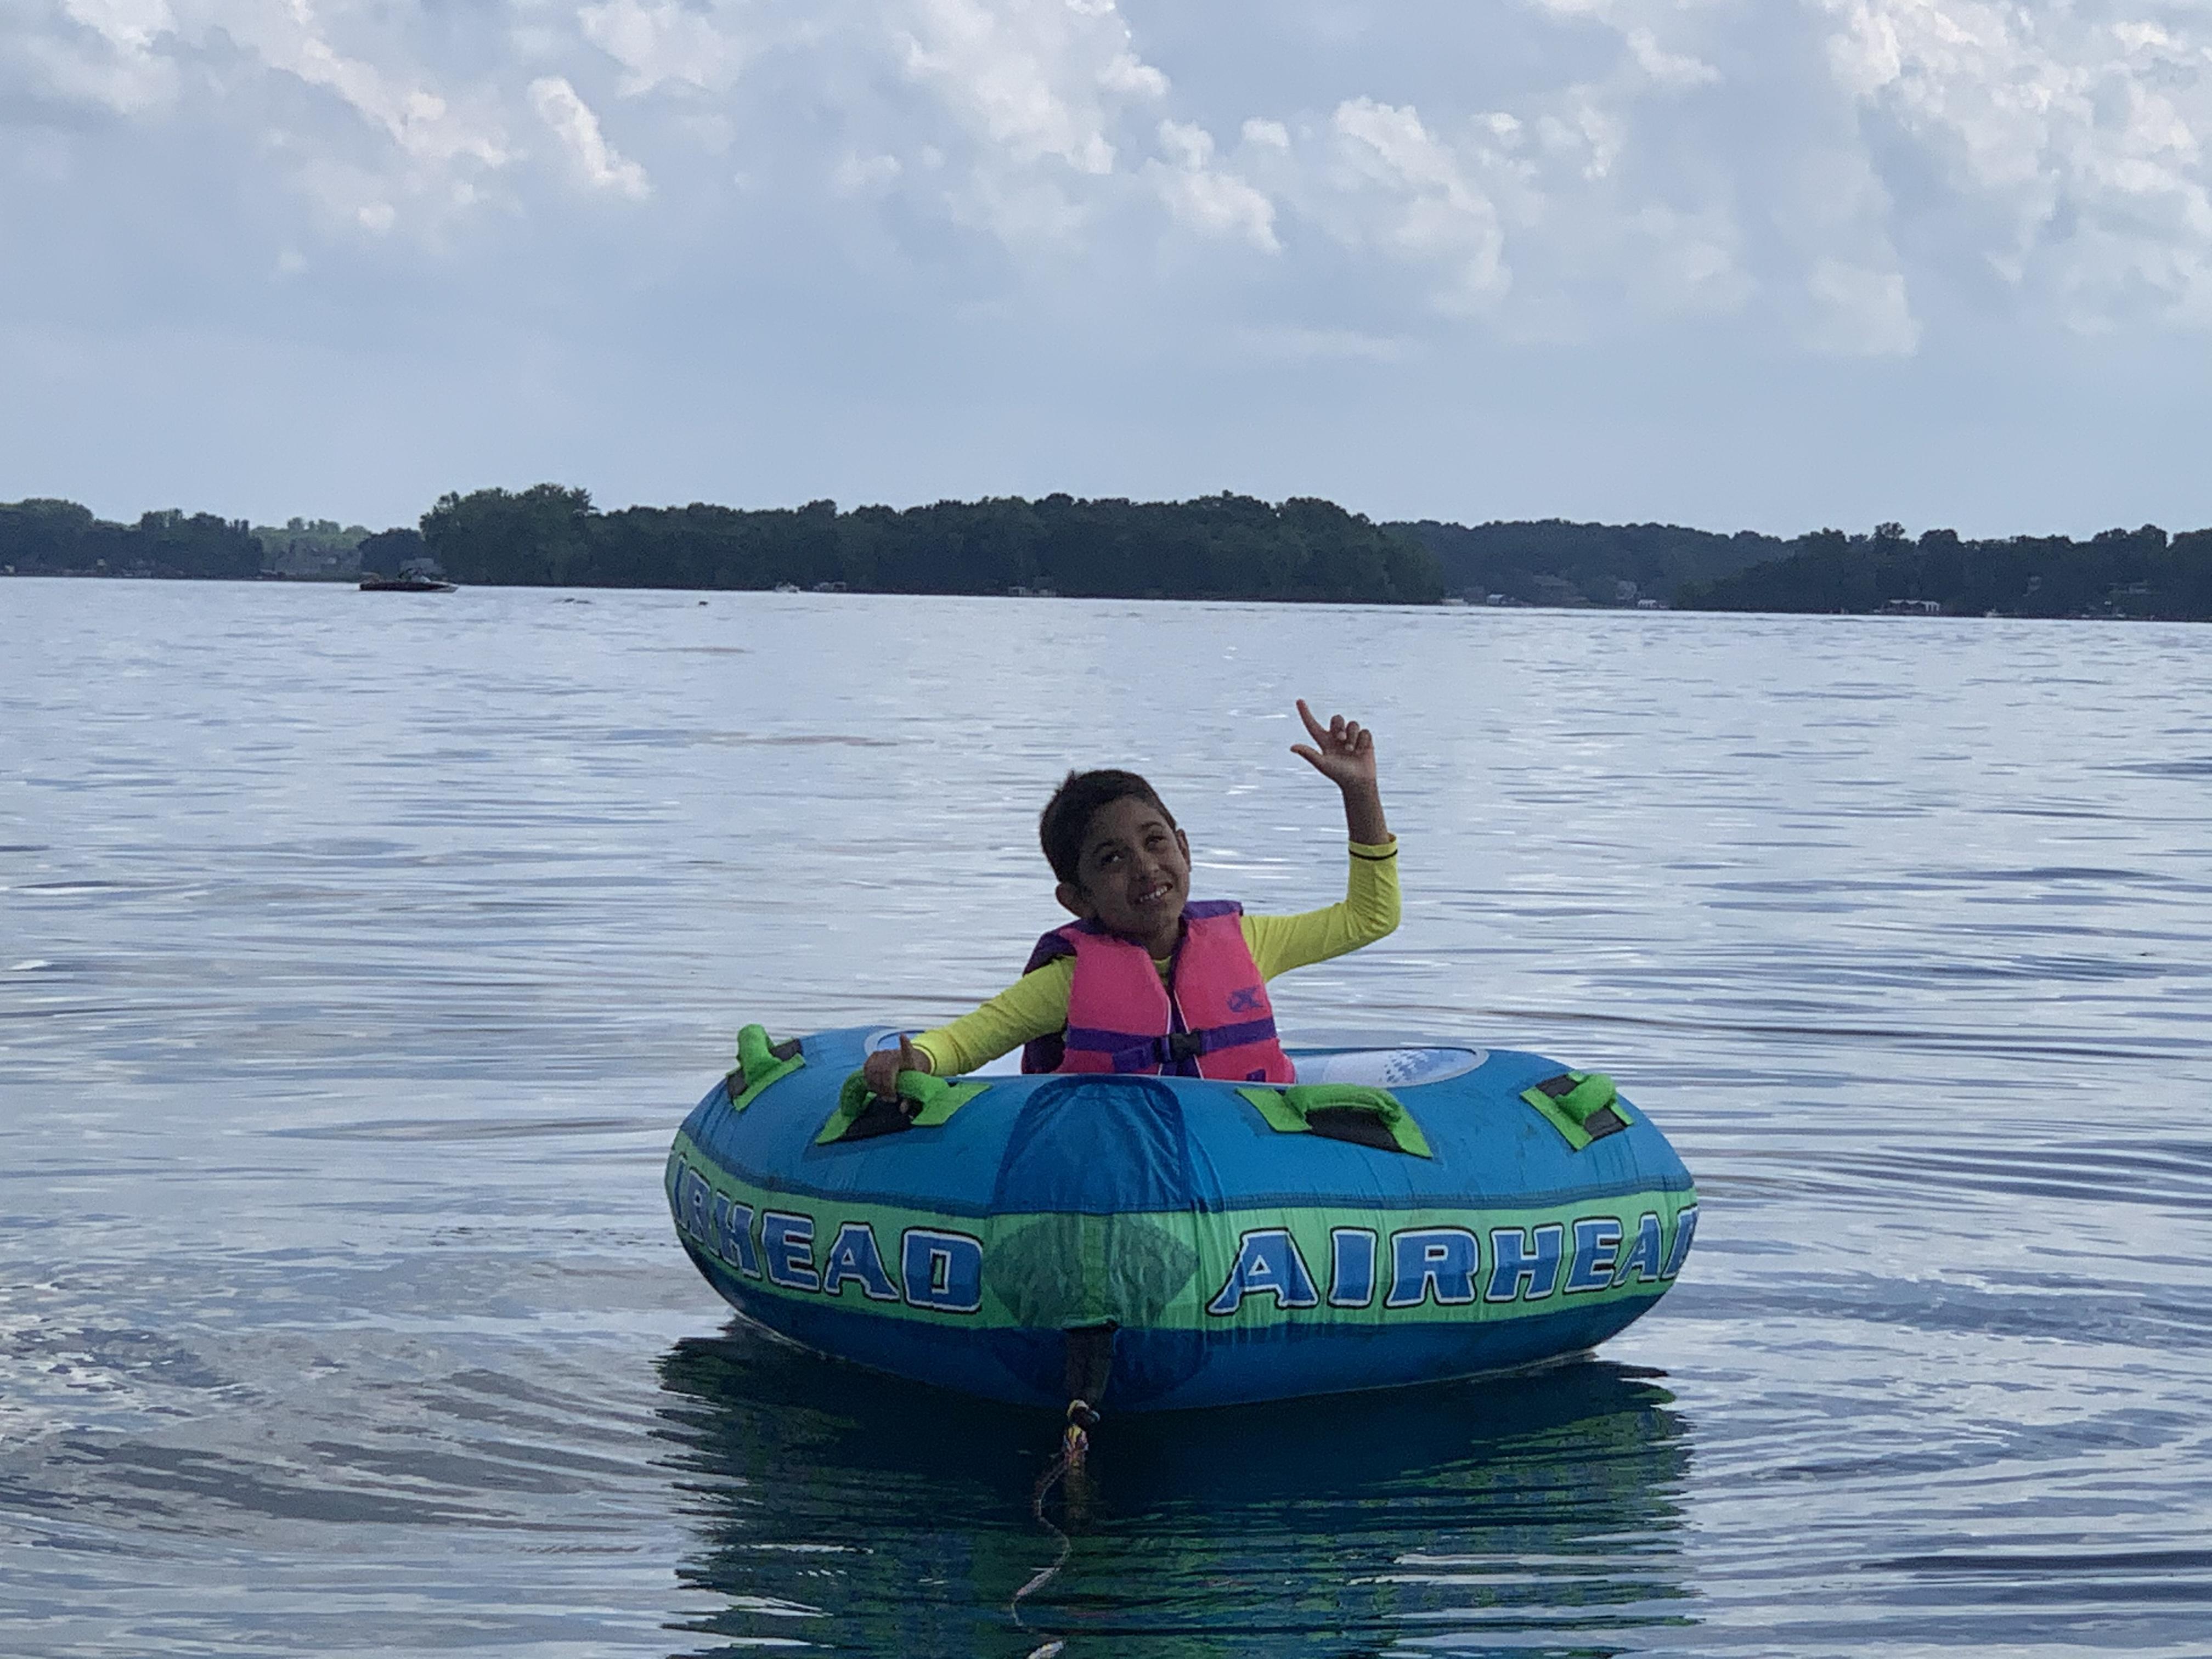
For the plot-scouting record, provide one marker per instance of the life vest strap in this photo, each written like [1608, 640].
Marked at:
[1132, 1051]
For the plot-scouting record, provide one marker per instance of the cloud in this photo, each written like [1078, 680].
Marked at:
[1207, 199]
[2066, 137]
[1031, 106]
[1688, 263]
[667, 43]
[1041, 78]
[573, 122]
[1112, 183]
[109, 56]
[1862, 313]
[2054, 151]
[373, 127]
[1668, 68]
[418, 121]
[857, 175]
[1412, 195]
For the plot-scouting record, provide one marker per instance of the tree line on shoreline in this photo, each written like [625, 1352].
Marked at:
[2142, 573]
[1216, 547]
[1221, 546]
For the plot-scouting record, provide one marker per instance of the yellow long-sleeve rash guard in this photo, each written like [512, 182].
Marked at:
[1036, 1005]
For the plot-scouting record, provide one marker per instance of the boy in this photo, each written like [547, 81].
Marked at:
[1144, 980]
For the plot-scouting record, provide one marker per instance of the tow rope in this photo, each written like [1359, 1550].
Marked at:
[1074, 1449]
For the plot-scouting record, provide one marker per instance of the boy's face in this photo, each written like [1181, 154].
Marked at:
[1133, 876]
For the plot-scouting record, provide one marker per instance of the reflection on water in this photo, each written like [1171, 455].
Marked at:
[860, 1512]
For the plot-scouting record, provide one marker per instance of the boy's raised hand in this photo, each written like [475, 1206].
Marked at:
[1343, 751]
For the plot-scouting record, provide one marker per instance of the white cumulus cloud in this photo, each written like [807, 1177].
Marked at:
[2066, 137]
[1205, 197]
[1837, 187]
[667, 43]
[573, 122]
[1411, 194]
[1041, 77]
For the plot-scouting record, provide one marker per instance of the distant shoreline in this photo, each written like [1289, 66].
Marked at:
[1224, 548]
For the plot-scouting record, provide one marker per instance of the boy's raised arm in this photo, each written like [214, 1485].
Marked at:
[1343, 751]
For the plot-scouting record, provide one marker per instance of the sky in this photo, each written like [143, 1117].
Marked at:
[1768, 264]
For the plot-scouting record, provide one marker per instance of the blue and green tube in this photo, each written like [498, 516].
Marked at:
[1233, 1243]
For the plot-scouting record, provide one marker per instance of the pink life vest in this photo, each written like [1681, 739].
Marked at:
[1212, 1018]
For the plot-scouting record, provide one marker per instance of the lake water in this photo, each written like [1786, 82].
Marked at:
[359, 955]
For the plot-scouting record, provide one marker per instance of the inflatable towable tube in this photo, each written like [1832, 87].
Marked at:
[1397, 1216]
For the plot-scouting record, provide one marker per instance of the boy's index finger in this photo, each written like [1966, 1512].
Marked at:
[1313, 725]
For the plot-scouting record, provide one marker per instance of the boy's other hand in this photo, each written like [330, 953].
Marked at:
[1343, 751]
[882, 1068]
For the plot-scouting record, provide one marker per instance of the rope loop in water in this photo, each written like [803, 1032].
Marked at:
[1074, 1448]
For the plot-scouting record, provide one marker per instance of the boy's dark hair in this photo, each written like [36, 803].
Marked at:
[1067, 815]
